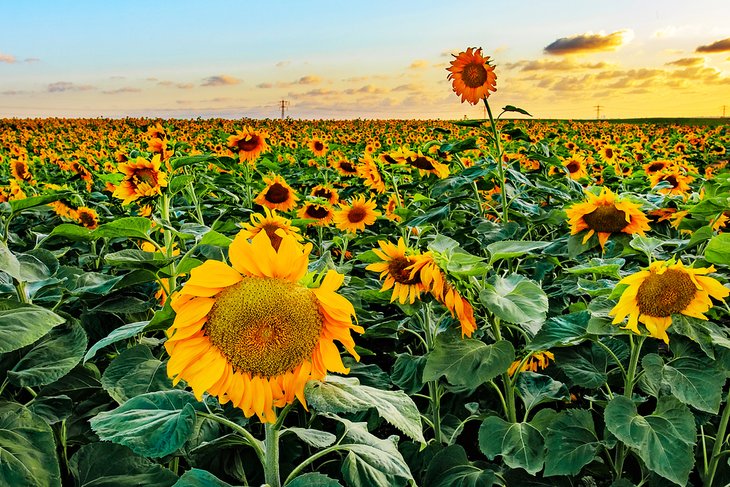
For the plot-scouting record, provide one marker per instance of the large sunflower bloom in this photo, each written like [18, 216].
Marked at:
[395, 270]
[318, 147]
[321, 214]
[269, 223]
[277, 195]
[141, 178]
[678, 181]
[472, 76]
[252, 334]
[248, 144]
[606, 214]
[19, 170]
[654, 295]
[368, 170]
[576, 166]
[357, 215]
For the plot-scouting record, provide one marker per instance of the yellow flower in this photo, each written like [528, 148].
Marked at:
[248, 144]
[269, 223]
[537, 361]
[472, 76]
[604, 215]
[395, 268]
[576, 166]
[655, 294]
[277, 195]
[251, 333]
[357, 215]
[141, 178]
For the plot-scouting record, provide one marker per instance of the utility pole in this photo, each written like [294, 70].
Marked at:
[283, 104]
[598, 111]
[723, 110]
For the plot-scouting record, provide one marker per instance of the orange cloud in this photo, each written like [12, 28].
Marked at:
[61, 86]
[565, 64]
[588, 42]
[719, 46]
[7, 58]
[419, 64]
[220, 80]
[687, 61]
[309, 80]
[182, 86]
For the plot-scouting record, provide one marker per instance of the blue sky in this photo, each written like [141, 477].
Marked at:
[358, 59]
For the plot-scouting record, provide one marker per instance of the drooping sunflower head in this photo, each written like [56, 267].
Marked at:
[141, 178]
[357, 215]
[655, 166]
[87, 217]
[248, 144]
[277, 195]
[424, 164]
[345, 166]
[678, 182]
[534, 362]
[396, 271]
[604, 215]
[653, 295]
[270, 223]
[19, 170]
[472, 77]
[252, 333]
[390, 208]
[369, 172]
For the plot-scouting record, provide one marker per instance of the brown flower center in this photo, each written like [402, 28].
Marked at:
[265, 326]
[609, 153]
[248, 145]
[318, 146]
[422, 163]
[146, 175]
[87, 219]
[606, 219]
[671, 180]
[347, 167]
[322, 193]
[398, 268]
[573, 167]
[662, 295]
[357, 214]
[277, 194]
[474, 75]
[317, 212]
[654, 167]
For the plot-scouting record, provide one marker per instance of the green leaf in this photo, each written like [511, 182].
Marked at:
[315, 438]
[178, 183]
[200, 478]
[510, 108]
[52, 409]
[8, 262]
[647, 245]
[700, 236]
[664, 439]
[519, 444]
[509, 249]
[122, 333]
[408, 372]
[599, 267]
[468, 362]
[340, 394]
[129, 227]
[515, 299]
[109, 465]
[72, 232]
[585, 365]
[372, 462]
[216, 239]
[571, 443]
[561, 331]
[135, 372]
[451, 468]
[27, 449]
[153, 424]
[313, 479]
[95, 283]
[33, 201]
[536, 389]
[24, 325]
[134, 259]
[718, 249]
[52, 357]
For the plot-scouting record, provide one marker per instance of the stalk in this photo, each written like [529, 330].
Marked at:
[271, 456]
[500, 169]
[719, 441]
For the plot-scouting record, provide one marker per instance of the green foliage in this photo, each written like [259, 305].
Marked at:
[515, 299]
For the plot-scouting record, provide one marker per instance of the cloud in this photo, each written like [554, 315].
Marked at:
[14, 92]
[687, 61]
[564, 64]
[408, 87]
[220, 80]
[61, 86]
[265, 86]
[719, 46]
[282, 64]
[589, 42]
[182, 86]
[419, 64]
[31, 60]
[7, 58]
[118, 91]
[309, 80]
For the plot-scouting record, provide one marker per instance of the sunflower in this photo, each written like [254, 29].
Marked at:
[472, 76]
[326, 192]
[390, 208]
[357, 215]
[318, 147]
[395, 269]
[536, 361]
[277, 195]
[655, 166]
[369, 171]
[248, 144]
[576, 166]
[652, 296]
[269, 223]
[436, 283]
[19, 170]
[252, 333]
[141, 178]
[321, 214]
[606, 214]
[679, 182]
[609, 154]
[87, 217]
[345, 166]
[424, 164]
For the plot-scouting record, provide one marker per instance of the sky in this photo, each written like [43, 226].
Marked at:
[361, 59]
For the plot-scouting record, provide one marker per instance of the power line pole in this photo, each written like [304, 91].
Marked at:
[723, 110]
[598, 111]
[283, 104]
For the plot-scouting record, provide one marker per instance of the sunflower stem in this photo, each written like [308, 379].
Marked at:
[629, 382]
[719, 441]
[165, 216]
[474, 188]
[434, 392]
[271, 456]
[500, 166]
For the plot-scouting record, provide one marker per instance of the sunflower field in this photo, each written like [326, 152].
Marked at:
[505, 301]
